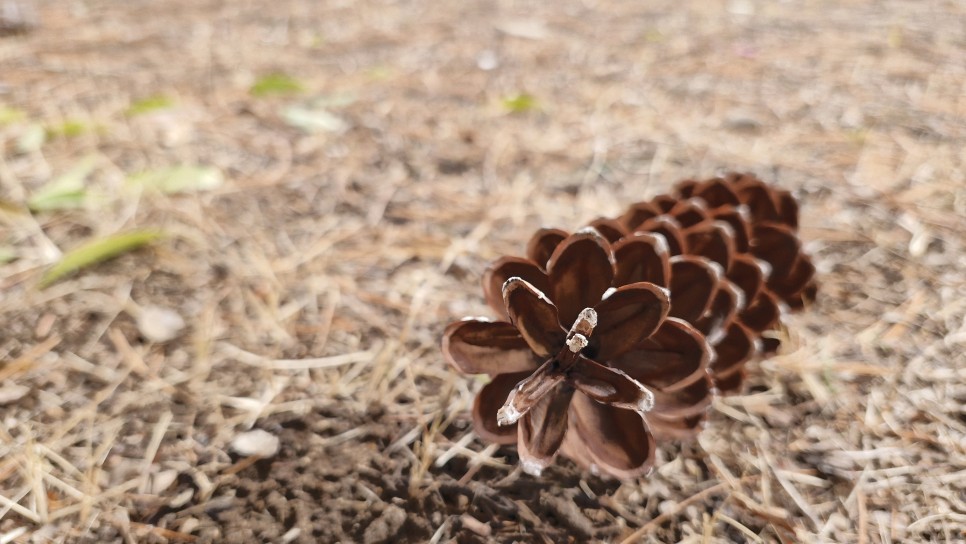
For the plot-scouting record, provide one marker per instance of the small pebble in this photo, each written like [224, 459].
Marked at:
[256, 442]
[386, 526]
[159, 324]
[12, 393]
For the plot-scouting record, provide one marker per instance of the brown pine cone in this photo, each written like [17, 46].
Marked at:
[741, 308]
[589, 362]
[614, 336]
[750, 229]
[701, 295]
[773, 216]
[696, 285]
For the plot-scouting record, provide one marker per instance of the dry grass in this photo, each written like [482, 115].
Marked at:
[323, 270]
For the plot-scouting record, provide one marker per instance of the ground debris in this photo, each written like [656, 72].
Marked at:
[385, 528]
[564, 509]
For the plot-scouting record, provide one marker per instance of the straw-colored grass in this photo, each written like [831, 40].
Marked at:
[315, 281]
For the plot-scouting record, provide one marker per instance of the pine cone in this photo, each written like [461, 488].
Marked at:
[736, 309]
[617, 335]
[701, 294]
[750, 229]
[588, 349]
[774, 230]
[693, 283]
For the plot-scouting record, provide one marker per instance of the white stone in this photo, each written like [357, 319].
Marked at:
[12, 393]
[487, 60]
[159, 324]
[256, 442]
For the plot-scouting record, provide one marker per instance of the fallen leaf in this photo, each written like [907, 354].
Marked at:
[32, 138]
[66, 191]
[314, 119]
[179, 179]
[10, 115]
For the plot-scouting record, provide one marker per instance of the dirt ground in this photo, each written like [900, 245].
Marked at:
[362, 161]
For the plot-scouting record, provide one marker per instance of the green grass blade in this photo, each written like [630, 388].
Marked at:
[7, 254]
[32, 138]
[179, 179]
[276, 84]
[66, 191]
[97, 251]
[520, 103]
[10, 115]
[149, 105]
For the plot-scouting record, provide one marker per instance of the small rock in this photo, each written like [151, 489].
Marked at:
[161, 481]
[740, 120]
[256, 442]
[386, 526]
[159, 324]
[487, 60]
[666, 506]
[16, 18]
[12, 393]
[181, 499]
[852, 118]
[44, 325]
